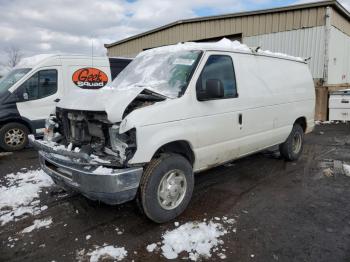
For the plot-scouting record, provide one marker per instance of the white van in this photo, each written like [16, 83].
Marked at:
[175, 111]
[30, 92]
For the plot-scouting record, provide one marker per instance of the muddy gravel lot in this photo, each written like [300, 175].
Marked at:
[259, 208]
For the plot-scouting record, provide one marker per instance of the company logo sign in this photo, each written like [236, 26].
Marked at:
[90, 78]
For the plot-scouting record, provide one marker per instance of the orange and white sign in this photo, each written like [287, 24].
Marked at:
[90, 78]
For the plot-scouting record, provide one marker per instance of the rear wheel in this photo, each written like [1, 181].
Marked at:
[13, 136]
[293, 147]
[166, 187]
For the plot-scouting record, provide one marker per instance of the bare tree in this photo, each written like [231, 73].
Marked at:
[14, 56]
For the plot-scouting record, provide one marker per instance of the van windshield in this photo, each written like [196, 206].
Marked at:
[166, 73]
[11, 78]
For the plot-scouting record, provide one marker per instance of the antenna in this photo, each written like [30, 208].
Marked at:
[92, 51]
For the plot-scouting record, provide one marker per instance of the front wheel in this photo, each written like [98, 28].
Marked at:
[293, 147]
[166, 187]
[13, 137]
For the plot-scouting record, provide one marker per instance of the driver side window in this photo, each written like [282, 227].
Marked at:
[218, 67]
[31, 87]
[41, 84]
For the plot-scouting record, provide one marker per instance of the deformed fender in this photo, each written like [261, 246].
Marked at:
[151, 138]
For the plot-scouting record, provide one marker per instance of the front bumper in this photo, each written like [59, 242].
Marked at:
[115, 187]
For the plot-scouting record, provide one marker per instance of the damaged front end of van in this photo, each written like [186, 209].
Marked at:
[83, 151]
[91, 139]
[86, 152]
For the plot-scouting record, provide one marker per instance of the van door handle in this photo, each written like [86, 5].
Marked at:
[57, 100]
[240, 119]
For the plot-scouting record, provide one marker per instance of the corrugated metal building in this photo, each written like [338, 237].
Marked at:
[319, 30]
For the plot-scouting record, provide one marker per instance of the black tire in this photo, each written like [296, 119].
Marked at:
[20, 134]
[293, 147]
[149, 196]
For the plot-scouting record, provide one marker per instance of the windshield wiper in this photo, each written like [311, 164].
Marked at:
[153, 91]
[156, 94]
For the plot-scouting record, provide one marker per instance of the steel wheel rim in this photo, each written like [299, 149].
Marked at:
[14, 137]
[172, 189]
[297, 142]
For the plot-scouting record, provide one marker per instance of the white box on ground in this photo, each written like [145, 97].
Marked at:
[339, 105]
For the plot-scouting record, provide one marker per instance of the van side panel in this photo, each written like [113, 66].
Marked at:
[273, 94]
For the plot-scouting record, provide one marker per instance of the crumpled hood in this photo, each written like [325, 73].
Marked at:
[110, 100]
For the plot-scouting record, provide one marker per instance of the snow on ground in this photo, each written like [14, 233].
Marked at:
[328, 122]
[151, 247]
[346, 169]
[197, 239]
[112, 252]
[119, 231]
[38, 223]
[19, 194]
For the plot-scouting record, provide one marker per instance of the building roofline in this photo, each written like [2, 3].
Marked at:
[333, 3]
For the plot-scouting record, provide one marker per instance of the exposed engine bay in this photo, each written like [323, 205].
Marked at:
[92, 133]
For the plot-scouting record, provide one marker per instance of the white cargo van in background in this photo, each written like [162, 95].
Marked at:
[30, 92]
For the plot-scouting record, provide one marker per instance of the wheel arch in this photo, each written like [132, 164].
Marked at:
[180, 147]
[17, 120]
[302, 122]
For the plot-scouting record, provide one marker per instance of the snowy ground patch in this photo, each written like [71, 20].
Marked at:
[197, 239]
[346, 169]
[150, 248]
[38, 223]
[111, 252]
[20, 194]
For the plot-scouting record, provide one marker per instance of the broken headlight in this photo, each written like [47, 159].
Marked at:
[51, 126]
[123, 145]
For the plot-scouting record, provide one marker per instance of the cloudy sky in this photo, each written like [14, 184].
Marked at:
[68, 26]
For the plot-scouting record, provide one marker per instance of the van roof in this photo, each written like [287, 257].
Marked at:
[225, 45]
[29, 62]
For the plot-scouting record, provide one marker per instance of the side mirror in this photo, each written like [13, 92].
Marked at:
[214, 89]
[25, 96]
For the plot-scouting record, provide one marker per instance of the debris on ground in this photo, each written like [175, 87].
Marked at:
[119, 231]
[38, 223]
[20, 194]
[328, 172]
[108, 252]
